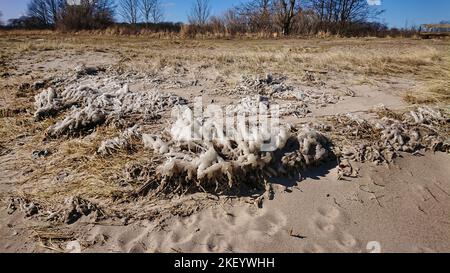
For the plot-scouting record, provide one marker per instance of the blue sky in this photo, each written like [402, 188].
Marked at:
[399, 13]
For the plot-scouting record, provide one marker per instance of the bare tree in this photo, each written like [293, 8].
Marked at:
[151, 11]
[47, 11]
[200, 12]
[157, 13]
[286, 10]
[87, 14]
[306, 22]
[39, 10]
[258, 14]
[341, 13]
[102, 13]
[146, 7]
[129, 10]
[54, 9]
[1, 15]
[267, 15]
[357, 11]
[234, 22]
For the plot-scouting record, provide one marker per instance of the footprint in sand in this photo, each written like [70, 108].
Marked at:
[220, 230]
[269, 223]
[347, 242]
[135, 239]
[182, 232]
[329, 221]
[324, 226]
[227, 219]
[216, 243]
[330, 213]
[127, 238]
[179, 236]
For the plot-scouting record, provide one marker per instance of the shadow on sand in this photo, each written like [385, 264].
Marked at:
[315, 173]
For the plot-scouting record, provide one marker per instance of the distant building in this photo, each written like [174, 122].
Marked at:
[435, 30]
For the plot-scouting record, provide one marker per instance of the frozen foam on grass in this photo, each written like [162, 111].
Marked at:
[200, 154]
[276, 87]
[94, 105]
[272, 87]
[121, 142]
[380, 140]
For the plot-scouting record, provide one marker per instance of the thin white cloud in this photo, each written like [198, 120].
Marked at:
[168, 4]
[374, 2]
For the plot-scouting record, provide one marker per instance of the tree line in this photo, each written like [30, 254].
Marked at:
[66, 14]
[87, 14]
[269, 17]
[300, 16]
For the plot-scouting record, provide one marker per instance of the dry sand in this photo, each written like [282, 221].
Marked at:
[403, 207]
